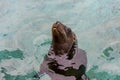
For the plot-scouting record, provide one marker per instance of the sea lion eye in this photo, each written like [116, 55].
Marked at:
[69, 30]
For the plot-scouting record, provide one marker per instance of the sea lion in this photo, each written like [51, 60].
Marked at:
[64, 61]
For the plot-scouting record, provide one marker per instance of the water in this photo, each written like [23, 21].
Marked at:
[25, 35]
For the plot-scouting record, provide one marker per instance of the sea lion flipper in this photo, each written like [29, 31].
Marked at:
[42, 70]
[85, 77]
[38, 75]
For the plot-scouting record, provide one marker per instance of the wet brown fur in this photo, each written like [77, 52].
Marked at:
[63, 38]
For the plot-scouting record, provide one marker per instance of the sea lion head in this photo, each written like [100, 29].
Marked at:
[62, 37]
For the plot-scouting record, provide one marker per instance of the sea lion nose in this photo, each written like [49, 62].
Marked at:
[55, 25]
[57, 22]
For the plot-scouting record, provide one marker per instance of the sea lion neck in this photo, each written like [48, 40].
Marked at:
[72, 51]
[60, 48]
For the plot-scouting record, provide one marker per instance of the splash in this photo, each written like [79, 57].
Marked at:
[25, 35]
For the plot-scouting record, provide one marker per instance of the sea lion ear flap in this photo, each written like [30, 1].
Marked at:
[74, 39]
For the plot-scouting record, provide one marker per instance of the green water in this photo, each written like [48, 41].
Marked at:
[25, 35]
[5, 54]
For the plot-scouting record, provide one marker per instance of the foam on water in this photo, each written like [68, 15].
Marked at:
[25, 29]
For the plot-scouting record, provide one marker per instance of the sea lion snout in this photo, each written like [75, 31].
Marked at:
[58, 32]
[58, 26]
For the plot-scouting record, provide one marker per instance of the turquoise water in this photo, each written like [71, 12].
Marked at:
[25, 35]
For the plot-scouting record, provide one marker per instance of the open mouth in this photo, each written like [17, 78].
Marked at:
[54, 29]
